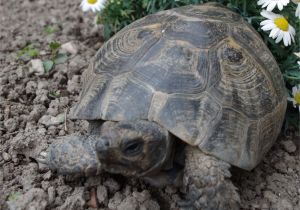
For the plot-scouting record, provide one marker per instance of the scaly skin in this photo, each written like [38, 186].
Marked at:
[74, 155]
[207, 183]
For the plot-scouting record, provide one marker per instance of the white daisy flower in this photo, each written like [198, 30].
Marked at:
[297, 54]
[296, 96]
[271, 4]
[299, 64]
[94, 5]
[279, 26]
[297, 13]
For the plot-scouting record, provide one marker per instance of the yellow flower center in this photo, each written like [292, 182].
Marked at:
[92, 1]
[282, 23]
[297, 97]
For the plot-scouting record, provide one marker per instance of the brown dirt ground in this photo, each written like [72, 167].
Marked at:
[32, 108]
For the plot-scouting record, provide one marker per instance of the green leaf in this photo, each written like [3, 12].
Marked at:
[33, 52]
[48, 65]
[295, 75]
[54, 46]
[60, 58]
[14, 196]
[29, 50]
[54, 94]
[51, 29]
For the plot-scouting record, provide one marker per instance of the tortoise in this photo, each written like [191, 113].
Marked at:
[178, 97]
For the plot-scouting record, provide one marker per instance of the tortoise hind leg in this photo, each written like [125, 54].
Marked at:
[207, 183]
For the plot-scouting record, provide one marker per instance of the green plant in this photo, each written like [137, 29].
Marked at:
[51, 29]
[56, 57]
[29, 50]
[14, 196]
[54, 94]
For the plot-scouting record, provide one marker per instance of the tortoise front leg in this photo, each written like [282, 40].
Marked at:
[207, 183]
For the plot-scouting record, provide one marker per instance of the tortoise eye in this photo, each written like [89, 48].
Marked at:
[132, 147]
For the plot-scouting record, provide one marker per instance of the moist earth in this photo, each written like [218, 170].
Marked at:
[33, 112]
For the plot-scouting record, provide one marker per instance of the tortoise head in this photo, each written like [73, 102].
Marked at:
[136, 148]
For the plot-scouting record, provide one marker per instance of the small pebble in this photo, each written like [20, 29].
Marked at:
[289, 146]
[36, 67]
[70, 47]
[47, 175]
[48, 120]
[112, 185]
[6, 156]
[102, 194]
[51, 194]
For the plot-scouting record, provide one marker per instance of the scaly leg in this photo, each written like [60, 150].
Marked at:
[207, 183]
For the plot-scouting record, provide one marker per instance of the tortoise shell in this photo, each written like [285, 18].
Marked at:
[201, 72]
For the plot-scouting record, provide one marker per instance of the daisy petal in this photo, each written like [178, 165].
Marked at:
[294, 90]
[279, 37]
[268, 27]
[271, 6]
[297, 13]
[274, 32]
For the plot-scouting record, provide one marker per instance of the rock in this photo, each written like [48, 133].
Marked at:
[141, 196]
[57, 105]
[129, 203]
[52, 130]
[74, 84]
[36, 67]
[37, 112]
[150, 205]
[47, 175]
[102, 194]
[20, 72]
[1, 177]
[60, 78]
[41, 97]
[6, 156]
[45, 185]
[112, 185]
[42, 85]
[289, 146]
[145, 201]
[115, 201]
[63, 191]
[11, 124]
[75, 201]
[48, 120]
[34, 199]
[28, 176]
[51, 194]
[76, 66]
[31, 87]
[70, 47]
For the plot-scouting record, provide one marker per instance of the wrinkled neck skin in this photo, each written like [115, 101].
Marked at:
[165, 164]
[171, 173]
